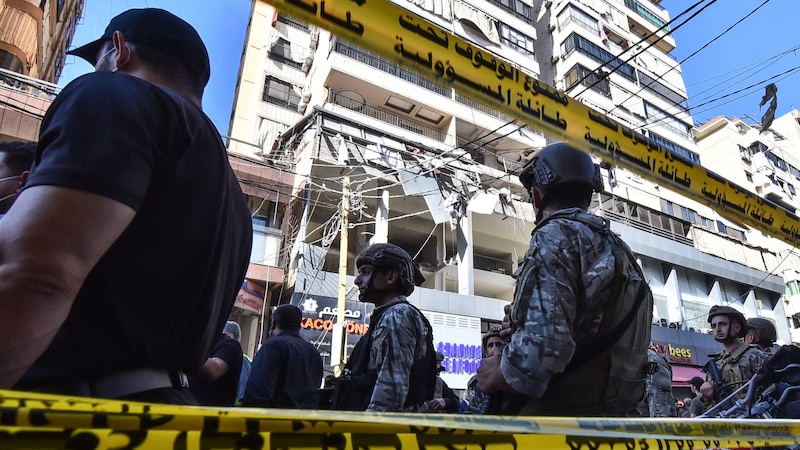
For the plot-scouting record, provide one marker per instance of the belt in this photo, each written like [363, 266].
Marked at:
[122, 384]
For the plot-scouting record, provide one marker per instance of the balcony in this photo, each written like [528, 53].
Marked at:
[24, 102]
[369, 59]
[385, 116]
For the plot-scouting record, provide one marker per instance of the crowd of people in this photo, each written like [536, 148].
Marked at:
[130, 297]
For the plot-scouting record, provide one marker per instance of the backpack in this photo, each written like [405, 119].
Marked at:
[570, 392]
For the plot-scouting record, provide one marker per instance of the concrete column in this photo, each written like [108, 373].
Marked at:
[466, 280]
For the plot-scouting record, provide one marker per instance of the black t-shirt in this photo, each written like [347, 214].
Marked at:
[222, 391]
[162, 292]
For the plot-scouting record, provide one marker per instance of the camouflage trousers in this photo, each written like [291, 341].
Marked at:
[661, 403]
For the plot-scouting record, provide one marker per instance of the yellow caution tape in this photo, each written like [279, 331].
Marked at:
[29, 420]
[437, 54]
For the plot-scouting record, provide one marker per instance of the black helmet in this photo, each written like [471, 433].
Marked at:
[733, 314]
[767, 334]
[392, 257]
[560, 163]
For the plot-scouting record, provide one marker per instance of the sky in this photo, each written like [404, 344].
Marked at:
[763, 48]
[221, 23]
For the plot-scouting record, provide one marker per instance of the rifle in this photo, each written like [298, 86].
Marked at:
[721, 391]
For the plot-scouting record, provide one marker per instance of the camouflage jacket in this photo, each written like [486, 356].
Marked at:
[562, 304]
[660, 402]
[399, 338]
[473, 400]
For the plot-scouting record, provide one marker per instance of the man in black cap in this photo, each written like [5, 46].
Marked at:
[122, 257]
[287, 371]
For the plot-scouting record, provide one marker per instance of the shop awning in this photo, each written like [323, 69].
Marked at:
[682, 374]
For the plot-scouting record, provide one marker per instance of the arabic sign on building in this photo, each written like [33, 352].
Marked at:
[319, 318]
[250, 297]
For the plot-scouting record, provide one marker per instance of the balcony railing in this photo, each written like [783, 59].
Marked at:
[385, 116]
[495, 265]
[369, 59]
[644, 226]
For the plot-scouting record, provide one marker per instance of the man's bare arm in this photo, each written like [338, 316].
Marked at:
[49, 242]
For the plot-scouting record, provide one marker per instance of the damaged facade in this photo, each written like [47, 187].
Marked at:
[427, 169]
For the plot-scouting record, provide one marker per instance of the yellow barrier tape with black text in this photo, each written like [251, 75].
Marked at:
[30, 420]
[403, 37]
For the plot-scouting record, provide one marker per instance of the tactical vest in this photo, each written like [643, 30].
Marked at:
[606, 377]
[353, 390]
[729, 369]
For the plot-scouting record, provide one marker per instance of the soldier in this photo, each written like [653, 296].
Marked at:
[761, 333]
[444, 398]
[393, 366]
[659, 399]
[474, 401]
[579, 325]
[737, 362]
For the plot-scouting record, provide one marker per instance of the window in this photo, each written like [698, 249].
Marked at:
[666, 119]
[573, 14]
[588, 78]
[292, 22]
[516, 40]
[518, 7]
[266, 218]
[660, 89]
[594, 51]
[732, 232]
[646, 14]
[675, 148]
[280, 93]
[791, 288]
[282, 52]
[776, 160]
[749, 176]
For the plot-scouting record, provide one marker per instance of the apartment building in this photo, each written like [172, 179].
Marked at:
[34, 38]
[381, 153]
[768, 163]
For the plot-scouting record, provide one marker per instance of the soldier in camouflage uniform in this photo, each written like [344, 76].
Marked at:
[659, 399]
[761, 332]
[738, 361]
[579, 325]
[398, 349]
[474, 401]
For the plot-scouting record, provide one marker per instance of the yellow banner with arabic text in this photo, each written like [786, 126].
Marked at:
[437, 54]
[29, 420]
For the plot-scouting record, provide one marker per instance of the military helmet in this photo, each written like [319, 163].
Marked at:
[490, 334]
[766, 330]
[718, 310]
[392, 257]
[560, 163]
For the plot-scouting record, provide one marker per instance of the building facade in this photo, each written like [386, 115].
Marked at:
[34, 39]
[395, 157]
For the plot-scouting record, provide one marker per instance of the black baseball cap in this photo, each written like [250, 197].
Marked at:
[159, 29]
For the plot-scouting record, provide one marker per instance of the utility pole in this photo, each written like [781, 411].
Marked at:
[338, 343]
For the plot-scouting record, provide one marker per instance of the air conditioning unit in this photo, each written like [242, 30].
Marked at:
[314, 39]
[552, 27]
[307, 62]
[554, 58]
[548, 3]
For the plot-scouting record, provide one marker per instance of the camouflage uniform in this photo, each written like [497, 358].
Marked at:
[474, 401]
[660, 402]
[561, 305]
[736, 370]
[399, 338]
